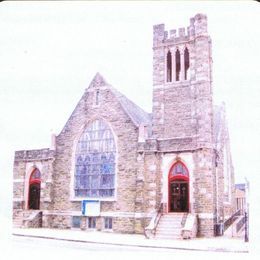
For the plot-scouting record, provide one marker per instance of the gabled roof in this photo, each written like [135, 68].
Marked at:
[98, 81]
[136, 114]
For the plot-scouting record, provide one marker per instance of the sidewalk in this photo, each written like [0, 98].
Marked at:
[221, 244]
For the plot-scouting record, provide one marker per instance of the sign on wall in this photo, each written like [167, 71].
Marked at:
[90, 208]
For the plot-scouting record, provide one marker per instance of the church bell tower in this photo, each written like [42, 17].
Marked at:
[182, 91]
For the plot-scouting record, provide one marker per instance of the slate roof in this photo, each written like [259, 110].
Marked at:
[137, 114]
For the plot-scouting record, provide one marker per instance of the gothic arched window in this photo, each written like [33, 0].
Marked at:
[179, 169]
[36, 175]
[169, 66]
[178, 65]
[186, 63]
[95, 162]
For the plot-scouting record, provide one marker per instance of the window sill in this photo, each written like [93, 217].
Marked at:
[98, 199]
[107, 230]
[176, 82]
[227, 203]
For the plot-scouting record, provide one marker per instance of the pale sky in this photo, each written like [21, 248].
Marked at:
[50, 51]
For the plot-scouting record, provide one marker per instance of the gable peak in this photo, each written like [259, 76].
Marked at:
[98, 81]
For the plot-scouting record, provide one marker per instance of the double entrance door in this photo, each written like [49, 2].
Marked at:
[179, 196]
[34, 196]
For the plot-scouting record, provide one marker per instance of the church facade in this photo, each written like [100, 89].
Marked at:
[115, 167]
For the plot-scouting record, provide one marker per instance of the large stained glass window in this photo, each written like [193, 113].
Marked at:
[95, 162]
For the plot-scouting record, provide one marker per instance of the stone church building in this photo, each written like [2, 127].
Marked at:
[115, 167]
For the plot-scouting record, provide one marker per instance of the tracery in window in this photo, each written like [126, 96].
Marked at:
[169, 66]
[95, 162]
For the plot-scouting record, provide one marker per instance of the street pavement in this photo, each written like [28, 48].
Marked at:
[216, 244]
[23, 247]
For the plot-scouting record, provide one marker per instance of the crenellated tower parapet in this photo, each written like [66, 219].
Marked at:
[197, 27]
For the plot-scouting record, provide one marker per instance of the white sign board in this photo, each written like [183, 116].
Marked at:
[91, 208]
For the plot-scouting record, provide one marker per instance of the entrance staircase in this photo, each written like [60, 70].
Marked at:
[170, 226]
[27, 218]
[18, 219]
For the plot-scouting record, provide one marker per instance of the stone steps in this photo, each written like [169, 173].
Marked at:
[169, 226]
[18, 219]
[20, 216]
[18, 222]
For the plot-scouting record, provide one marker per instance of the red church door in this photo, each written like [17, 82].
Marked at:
[178, 188]
[179, 196]
[34, 190]
[34, 196]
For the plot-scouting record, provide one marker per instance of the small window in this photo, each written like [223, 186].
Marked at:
[108, 223]
[91, 222]
[76, 221]
[97, 97]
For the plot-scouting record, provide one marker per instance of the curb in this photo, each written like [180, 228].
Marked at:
[134, 245]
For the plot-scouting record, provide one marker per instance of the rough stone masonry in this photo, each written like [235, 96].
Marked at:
[184, 140]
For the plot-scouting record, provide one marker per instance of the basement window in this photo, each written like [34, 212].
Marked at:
[108, 223]
[91, 222]
[76, 221]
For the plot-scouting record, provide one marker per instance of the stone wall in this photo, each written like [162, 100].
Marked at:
[24, 164]
[183, 110]
[224, 170]
[126, 136]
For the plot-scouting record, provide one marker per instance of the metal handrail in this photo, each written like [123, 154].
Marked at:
[184, 218]
[240, 224]
[158, 216]
[154, 222]
[231, 219]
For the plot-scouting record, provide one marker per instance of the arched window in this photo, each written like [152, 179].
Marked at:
[178, 65]
[169, 66]
[179, 170]
[95, 162]
[35, 176]
[186, 63]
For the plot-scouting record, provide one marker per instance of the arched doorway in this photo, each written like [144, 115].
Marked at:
[34, 190]
[178, 188]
